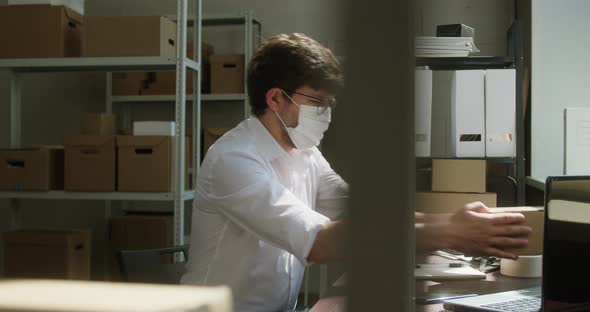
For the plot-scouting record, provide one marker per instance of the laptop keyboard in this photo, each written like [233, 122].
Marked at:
[529, 304]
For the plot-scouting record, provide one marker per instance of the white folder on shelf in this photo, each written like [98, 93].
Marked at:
[422, 111]
[577, 141]
[442, 82]
[468, 114]
[500, 112]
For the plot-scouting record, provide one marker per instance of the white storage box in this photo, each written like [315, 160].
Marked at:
[154, 128]
[500, 89]
[76, 5]
[423, 110]
[468, 114]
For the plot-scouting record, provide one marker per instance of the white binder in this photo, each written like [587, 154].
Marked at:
[422, 111]
[468, 114]
[500, 112]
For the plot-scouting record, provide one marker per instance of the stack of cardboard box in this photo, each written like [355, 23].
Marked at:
[90, 158]
[47, 253]
[138, 231]
[455, 183]
[32, 169]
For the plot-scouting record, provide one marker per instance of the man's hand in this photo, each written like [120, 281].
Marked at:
[475, 231]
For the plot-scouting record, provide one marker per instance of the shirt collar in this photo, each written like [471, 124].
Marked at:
[265, 142]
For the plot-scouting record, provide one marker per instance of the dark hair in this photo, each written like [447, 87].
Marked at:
[290, 62]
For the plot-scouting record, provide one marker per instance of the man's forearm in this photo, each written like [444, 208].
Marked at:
[429, 237]
[329, 243]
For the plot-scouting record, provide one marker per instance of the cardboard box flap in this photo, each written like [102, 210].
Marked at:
[73, 16]
[141, 141]
[47, 237]
[88, 141]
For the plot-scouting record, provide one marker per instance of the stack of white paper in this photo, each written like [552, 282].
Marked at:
[444, 46]
[165, 128]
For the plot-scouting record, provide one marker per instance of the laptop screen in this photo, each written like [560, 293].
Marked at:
[566, 259]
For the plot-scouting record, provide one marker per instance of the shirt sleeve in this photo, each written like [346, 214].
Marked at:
[247, 192]
[333, 191]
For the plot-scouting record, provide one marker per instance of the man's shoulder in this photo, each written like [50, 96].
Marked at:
[237, 141]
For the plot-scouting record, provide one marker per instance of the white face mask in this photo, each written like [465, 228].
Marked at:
[311, 126]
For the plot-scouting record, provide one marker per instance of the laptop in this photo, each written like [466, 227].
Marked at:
[566, 257]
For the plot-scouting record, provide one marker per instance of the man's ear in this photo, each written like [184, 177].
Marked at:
[274, 99]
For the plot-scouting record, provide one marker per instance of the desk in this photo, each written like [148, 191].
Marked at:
[494, 282]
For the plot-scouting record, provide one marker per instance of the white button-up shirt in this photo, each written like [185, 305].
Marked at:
[256, 214]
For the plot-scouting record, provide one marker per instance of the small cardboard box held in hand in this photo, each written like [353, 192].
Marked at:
[55, 254]
[535, 218]
[34, 169]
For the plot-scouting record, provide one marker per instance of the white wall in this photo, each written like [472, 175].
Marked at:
[559, 77]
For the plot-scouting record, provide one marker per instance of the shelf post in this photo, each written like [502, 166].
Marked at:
[180, 113]
[196, 103]
[15, 110]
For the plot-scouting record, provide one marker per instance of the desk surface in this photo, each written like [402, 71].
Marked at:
[494, 282]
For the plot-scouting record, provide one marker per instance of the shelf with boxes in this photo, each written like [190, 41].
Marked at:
[223, 76]
[52, 42]
[468, 108]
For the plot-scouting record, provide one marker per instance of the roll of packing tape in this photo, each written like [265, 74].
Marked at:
[525, 266]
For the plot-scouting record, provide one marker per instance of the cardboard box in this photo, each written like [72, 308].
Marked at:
[128, 83]
[130, 36]
[535, 218]
[146, 163]
[500, 95]
[35, 169]
[459, 175]
[210, 135]
[423, 111]
[135, 232]
[54, 254]
[40, 31]
[450, 202]
[165, 82]
[227, 73]
[76, 5]
[97, 124]
[90, 163]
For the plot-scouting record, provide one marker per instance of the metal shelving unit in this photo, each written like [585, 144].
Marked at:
[228, 97]
[477, 62]
[252, 37]
[63, 195]
[16, 68]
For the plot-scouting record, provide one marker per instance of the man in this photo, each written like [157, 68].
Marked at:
[266, 197]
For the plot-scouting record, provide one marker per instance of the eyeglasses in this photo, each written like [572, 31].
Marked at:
[321, 104]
